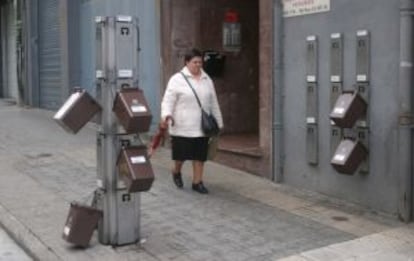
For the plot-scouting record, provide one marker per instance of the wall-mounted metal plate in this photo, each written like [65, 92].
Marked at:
[312, 58]
[336, 137]
[363, 137]
[100, 72]
[363, 90]
[312, 100]
[336, 91]
[126, 34]
[128, 217]
[336, 78]
[312, 151]
[362, 56]
[336, 57]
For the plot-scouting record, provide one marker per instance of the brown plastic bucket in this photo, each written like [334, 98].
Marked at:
[80, 224]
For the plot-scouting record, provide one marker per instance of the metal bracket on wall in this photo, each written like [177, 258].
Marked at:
[362, 87]
[336, 71]
[363, 56]
[126, 34]
[312, 151]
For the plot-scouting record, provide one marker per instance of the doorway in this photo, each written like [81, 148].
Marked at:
[238, 86]
[245, 141]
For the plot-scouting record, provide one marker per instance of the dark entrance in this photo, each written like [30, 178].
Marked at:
[199, 23]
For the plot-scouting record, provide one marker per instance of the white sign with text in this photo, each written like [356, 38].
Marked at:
[303, 7]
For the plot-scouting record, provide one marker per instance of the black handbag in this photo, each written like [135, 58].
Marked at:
[209, 124]
[208, 121]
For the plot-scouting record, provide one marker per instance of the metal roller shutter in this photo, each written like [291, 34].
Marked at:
[50, 80]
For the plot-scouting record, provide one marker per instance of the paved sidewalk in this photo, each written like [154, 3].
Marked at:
[9, 250]
[243, 218]
[391, 245]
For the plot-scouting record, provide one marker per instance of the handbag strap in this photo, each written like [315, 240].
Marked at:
[192, 88]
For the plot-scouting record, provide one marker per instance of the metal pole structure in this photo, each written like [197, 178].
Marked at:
[278, 93]
[117, 62]
[110, 139]
[405, 109]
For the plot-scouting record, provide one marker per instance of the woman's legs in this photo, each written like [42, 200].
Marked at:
[176, 174]
[198, 167]
[177, 166]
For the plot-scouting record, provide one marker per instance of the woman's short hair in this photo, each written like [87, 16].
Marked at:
[191, 54]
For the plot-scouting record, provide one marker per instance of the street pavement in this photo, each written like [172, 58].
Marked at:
[9, 250]
[244, 217]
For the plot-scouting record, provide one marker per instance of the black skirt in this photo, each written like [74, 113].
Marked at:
[184, 148]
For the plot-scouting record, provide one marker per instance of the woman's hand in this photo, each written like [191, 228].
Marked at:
[164, 123]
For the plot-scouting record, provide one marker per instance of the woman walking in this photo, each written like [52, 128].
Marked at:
[181, 113]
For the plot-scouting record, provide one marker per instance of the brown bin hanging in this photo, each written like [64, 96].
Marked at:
[135, 169]
[77, 110]
[348, 109]
[348, 156]
[80, 224]
[132, 110]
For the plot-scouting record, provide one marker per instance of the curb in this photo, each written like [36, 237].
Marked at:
[25, 238]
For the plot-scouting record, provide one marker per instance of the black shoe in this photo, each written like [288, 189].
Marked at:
[200, 188]
[178, 181]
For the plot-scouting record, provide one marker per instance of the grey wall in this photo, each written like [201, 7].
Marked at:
[147, 12]
[31, 25]
[381, 17]
[70, 45]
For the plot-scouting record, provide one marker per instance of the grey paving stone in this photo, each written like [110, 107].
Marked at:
[9, 250]
[48, 168]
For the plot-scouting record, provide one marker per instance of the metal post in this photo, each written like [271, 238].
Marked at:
[405, 109]
[278, 93]
[115, 48]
